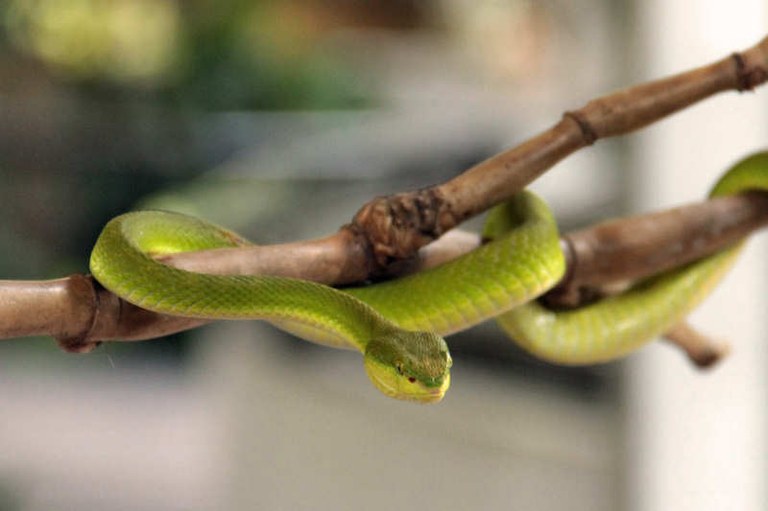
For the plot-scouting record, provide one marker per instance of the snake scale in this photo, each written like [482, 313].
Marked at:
[398, 325]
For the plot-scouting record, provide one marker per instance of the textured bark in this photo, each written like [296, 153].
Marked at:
[79, 313]
[396, 226]
[386, 235]
[631, 248]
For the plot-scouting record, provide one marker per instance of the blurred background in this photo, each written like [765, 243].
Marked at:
[279, 118]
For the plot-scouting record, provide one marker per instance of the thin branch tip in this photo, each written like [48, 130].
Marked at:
[704, 351]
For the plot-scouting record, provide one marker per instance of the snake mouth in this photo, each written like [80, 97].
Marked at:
[414, 391]
[434, 395]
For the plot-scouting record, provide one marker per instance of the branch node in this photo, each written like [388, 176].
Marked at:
[82, 289]
[748, 77]
[588, 134]
[396, 226]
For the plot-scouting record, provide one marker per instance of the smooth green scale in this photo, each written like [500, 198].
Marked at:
[615, 326]
[618, 325]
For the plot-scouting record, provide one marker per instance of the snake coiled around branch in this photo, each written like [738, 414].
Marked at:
[398, 325]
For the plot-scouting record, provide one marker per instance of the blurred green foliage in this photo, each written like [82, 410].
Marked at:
[114, 99]
[226, 55]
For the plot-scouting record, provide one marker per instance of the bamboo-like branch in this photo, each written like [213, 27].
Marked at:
[628, 249]
[80, 313]
[396, 226]
[390, 230]
[387, 232]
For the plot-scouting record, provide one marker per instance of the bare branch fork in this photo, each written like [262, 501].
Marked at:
[390, 235]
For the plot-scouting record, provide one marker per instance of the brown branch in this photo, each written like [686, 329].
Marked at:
[628, 249]
[64, 308]
[79, 313]
[394, 227]
[390, 230]
[701, 349]
[607, 253]
[323, 260]
[386, 233]
[326, 260]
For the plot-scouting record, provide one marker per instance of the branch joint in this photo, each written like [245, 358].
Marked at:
[395, 227]
[588, 134]
[748, 76]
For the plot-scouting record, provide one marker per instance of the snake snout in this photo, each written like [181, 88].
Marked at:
[409, 365]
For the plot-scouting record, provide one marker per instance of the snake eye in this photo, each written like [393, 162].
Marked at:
[412, 379]
[399, 368]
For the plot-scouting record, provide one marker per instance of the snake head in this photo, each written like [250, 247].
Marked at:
[414, 366]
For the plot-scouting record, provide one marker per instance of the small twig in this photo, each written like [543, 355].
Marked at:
[701, 349]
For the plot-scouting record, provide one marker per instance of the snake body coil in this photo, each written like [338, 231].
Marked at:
[617, 325]
[397, 325]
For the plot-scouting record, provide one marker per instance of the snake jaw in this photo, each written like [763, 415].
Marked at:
[405, 388]
[412, 366]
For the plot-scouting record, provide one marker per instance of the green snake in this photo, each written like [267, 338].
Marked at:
[398, 325]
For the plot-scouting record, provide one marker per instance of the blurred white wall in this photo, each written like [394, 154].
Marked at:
[698, 440]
